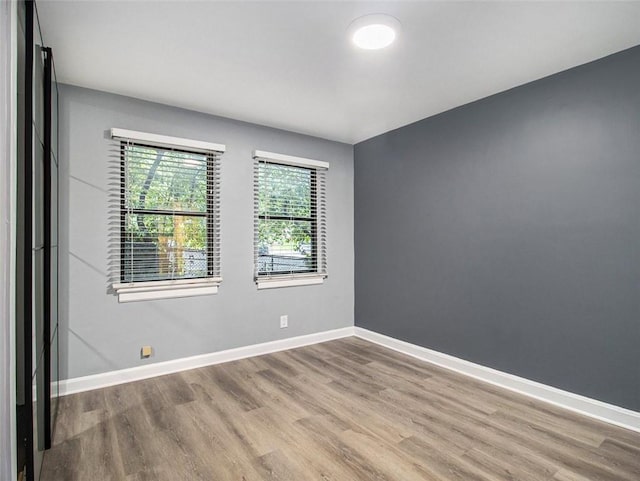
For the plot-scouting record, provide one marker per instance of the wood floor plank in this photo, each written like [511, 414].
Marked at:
[446, 464]
[500, 467]
[350, 461]
[388, 458]
[566, 475]
[345, 410]
[553, 418]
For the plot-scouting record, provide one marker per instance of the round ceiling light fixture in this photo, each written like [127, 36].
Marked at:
[374, 31]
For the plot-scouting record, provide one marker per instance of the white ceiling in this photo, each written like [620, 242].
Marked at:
[290, 64]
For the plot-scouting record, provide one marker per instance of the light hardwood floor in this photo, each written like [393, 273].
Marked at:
[343, 410]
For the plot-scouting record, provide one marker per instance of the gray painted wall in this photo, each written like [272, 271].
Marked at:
[96, 333]
[507, 231]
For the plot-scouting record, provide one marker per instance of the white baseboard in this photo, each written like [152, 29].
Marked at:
[602, 411]
[97, 381]
[574, 402]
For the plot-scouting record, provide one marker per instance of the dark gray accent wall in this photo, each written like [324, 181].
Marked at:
[507, 231]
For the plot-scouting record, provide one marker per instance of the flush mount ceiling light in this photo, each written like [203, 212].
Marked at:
[373, 32]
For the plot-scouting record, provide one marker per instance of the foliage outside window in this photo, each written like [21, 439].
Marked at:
[287, 222]
[168, 220]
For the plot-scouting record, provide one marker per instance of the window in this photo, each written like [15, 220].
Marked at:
[290, 220]
[168, 230]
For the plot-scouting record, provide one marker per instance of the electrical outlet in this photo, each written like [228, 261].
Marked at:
[284, 321]
[145, 352]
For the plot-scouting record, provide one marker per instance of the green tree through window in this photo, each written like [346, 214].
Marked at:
[287, 222]
[167, 214]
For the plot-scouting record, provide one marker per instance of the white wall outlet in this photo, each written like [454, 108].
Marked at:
[284, 321]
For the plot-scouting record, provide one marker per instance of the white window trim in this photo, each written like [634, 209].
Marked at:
[175, 288]
[284, 281]
[290, 159]
[166, 141]
[289, 280]
[145, 291]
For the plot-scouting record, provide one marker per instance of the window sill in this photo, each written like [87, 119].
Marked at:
[148, 291]
[276, 282]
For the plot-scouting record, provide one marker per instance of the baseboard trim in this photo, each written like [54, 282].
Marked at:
[602, 411]
[593, 408]
[112, 378]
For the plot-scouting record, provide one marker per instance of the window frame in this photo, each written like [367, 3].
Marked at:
[168, 288]
[267, 280]
[208, 214]
[312, 219]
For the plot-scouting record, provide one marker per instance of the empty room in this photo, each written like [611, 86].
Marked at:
[319, 240]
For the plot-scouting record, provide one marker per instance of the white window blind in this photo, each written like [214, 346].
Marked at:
[165, 241]
[290, 219]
